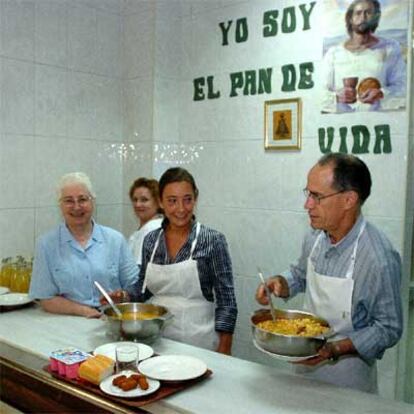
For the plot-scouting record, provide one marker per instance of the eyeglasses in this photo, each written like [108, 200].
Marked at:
[316, 197]
[82, 201]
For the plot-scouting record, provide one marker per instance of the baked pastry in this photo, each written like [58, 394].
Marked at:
[117, 381]
[367, 84]
[142, 381]
[128, 384]
[96, 369]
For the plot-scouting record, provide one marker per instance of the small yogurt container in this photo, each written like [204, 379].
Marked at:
[66, 361]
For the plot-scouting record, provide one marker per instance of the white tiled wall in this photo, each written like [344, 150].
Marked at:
[105, 86]
[61, 110]
[138, 38]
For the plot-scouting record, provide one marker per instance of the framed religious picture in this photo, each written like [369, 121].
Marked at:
[283, 124]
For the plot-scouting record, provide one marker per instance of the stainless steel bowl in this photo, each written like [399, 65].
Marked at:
[139, 330]
[287, 345]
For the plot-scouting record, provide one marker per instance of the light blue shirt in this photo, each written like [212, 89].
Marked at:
[376, 301]
[62, 267]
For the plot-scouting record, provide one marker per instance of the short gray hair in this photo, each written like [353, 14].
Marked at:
[350, 174]
[75, 178]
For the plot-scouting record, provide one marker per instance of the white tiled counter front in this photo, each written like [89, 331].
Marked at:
[236, 386]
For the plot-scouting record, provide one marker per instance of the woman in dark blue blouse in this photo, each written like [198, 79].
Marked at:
[186, 267]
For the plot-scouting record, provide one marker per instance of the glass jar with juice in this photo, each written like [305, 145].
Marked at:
[6, 272]
[17, 274]
[26, 276]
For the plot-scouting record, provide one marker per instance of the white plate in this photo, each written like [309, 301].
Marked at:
[4, 290]
[107, 387]
[14, 299]
[283, 357]
[144, 351]
[173, 367]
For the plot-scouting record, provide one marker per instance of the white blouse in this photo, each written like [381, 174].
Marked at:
[137, 238]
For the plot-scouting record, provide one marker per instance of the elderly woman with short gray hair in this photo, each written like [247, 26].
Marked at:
[77, 252]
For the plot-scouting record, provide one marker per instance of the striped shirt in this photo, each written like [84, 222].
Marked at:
[376, 301]
[213, 265]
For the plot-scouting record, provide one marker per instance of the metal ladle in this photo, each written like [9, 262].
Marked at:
[268, 293]
[108, 298]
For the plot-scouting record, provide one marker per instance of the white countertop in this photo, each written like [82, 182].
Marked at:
[236, 385]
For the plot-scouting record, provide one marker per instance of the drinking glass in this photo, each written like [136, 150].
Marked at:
[352, 83]
[126, 358]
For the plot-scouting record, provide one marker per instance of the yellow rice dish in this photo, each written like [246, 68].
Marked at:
[137, 316]
[297, 327]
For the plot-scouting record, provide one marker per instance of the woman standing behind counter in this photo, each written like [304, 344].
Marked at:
[186, 267]
[79, 251]
[144, 196]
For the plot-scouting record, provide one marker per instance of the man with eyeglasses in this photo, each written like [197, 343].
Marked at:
[78, 252]
[350, 274]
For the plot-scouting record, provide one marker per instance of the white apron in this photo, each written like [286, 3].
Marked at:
[177, 287]
[331, 299]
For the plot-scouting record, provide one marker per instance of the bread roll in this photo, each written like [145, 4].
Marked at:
[96, 369]
[368, 83]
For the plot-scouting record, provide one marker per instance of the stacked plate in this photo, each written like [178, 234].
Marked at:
[14, 299]
[166, 368]
[4, 290]
[173, 368]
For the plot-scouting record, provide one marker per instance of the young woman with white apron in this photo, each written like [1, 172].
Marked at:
[177, 287]
[331, 298]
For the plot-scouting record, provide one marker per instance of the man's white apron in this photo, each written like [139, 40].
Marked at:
[331, 298]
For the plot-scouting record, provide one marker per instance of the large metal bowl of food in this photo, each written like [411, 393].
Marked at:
[293, 334]
[139, 322]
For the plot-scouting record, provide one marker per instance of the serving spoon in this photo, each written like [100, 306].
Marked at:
[108, 298]
[268, 293]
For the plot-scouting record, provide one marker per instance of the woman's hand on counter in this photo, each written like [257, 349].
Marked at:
[59, 304]
[91, 313]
